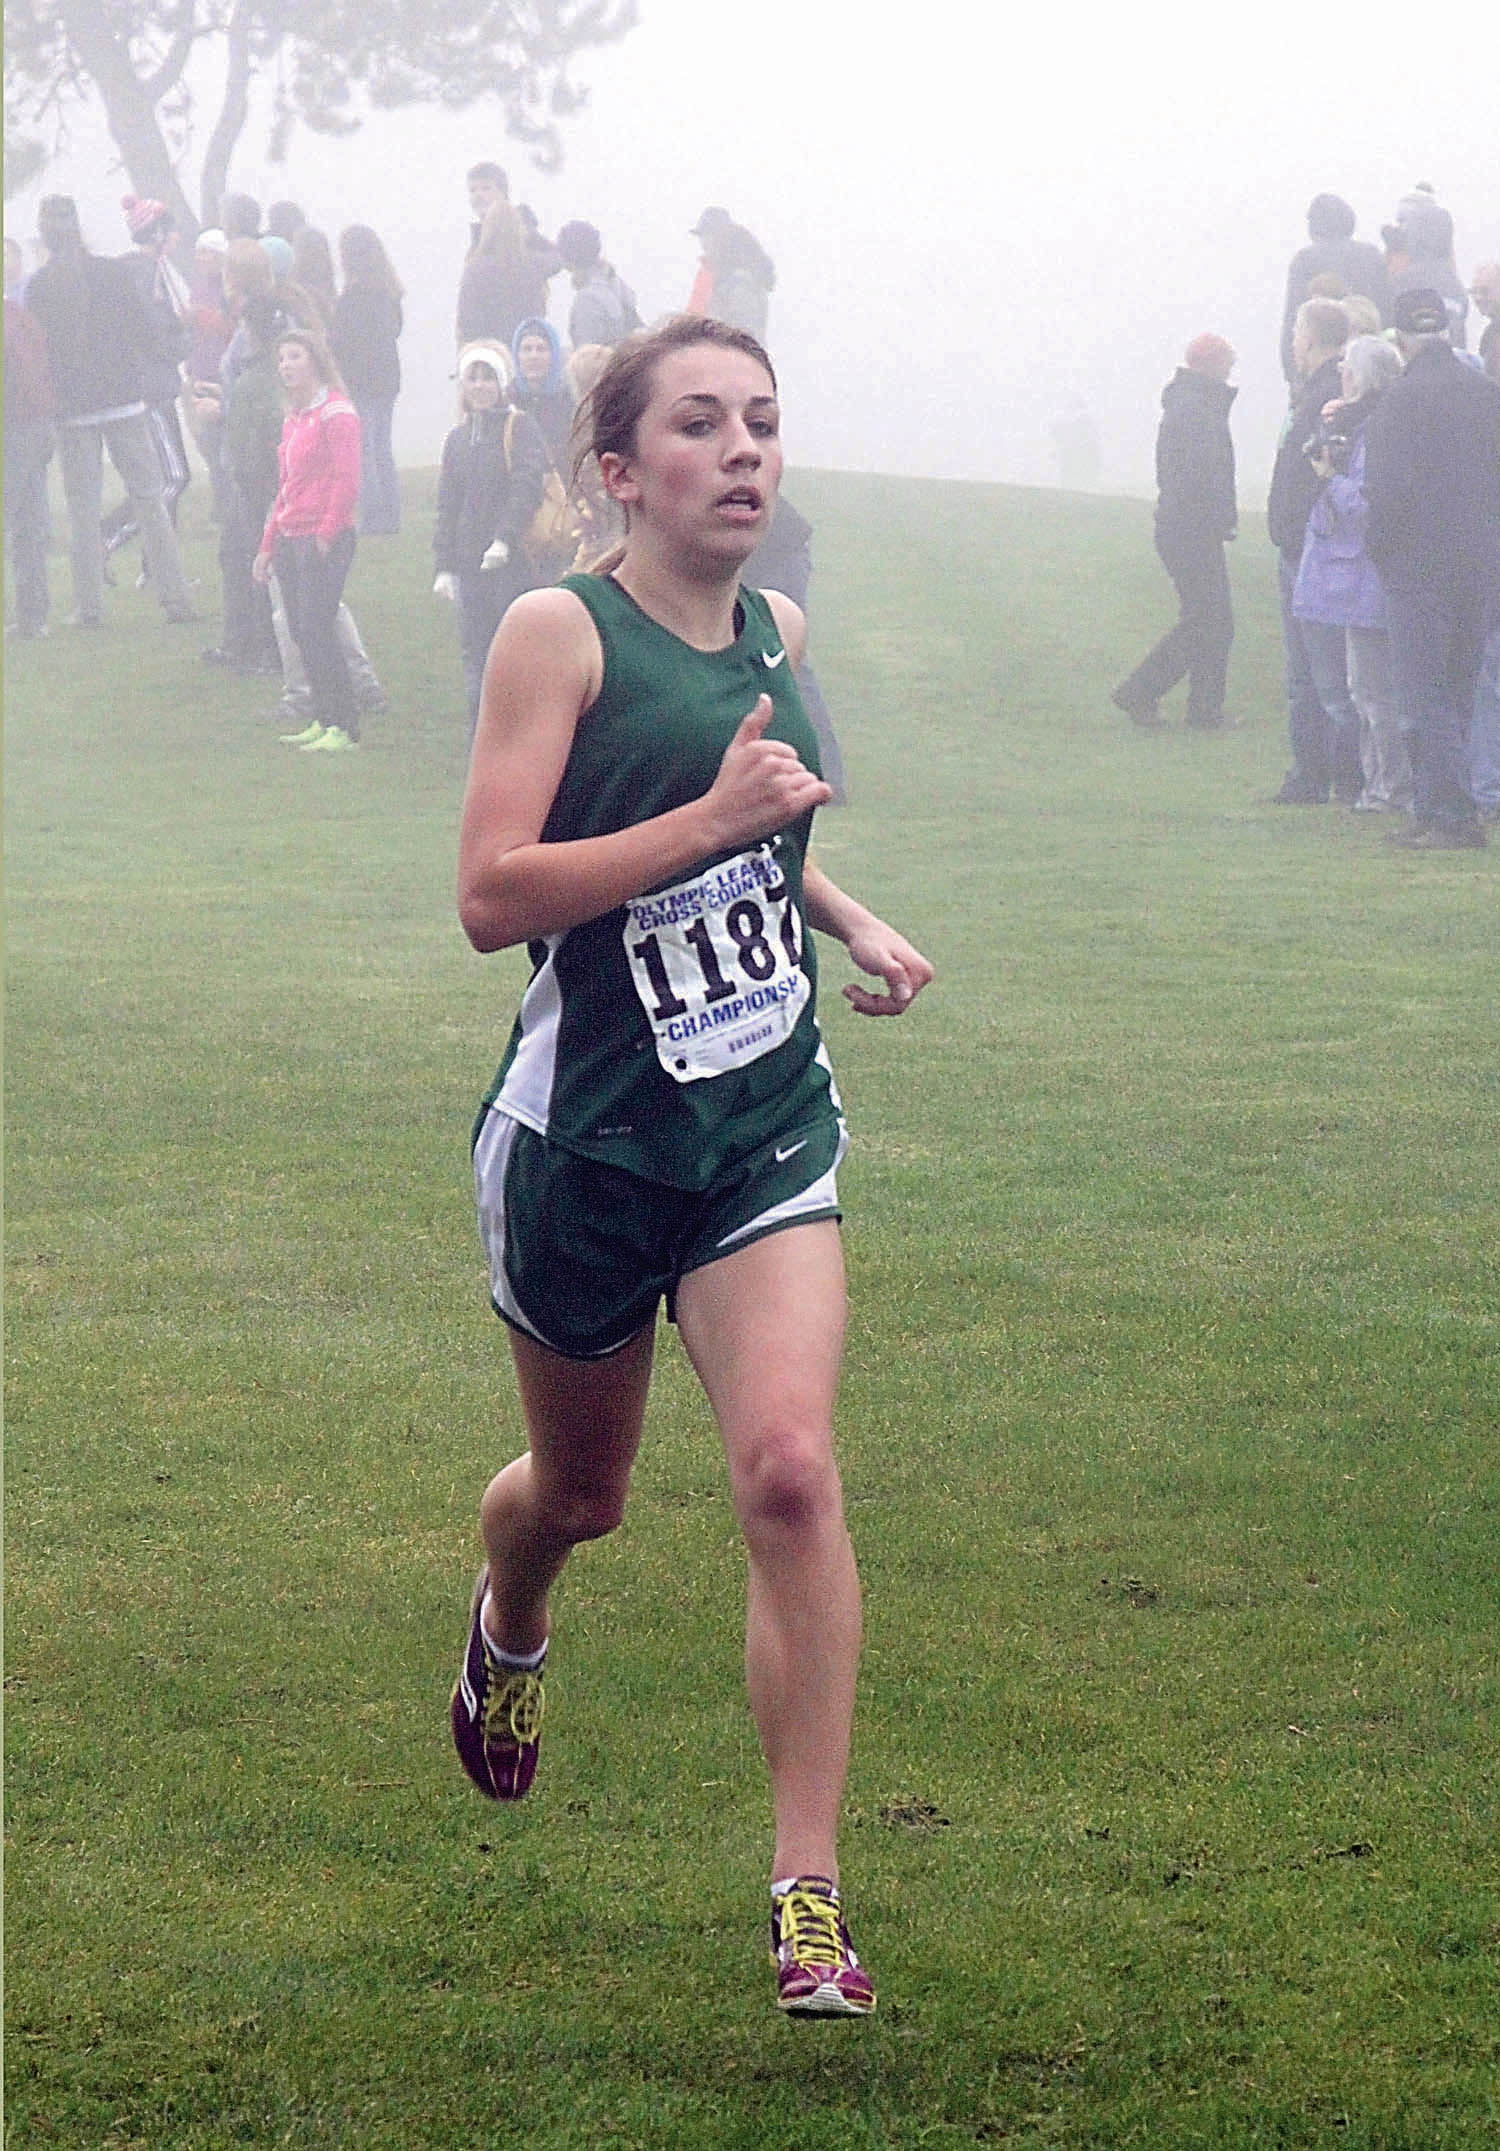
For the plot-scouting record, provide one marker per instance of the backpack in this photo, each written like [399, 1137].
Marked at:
[550, 539]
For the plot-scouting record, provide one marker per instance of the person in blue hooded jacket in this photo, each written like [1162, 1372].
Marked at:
[540, 387]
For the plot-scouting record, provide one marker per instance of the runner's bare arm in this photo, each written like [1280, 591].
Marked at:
[545, 668]
[874, 946]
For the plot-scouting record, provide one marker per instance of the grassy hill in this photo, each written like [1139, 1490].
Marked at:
[1168, 1428]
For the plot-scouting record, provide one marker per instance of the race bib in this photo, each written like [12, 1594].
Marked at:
[717, 963]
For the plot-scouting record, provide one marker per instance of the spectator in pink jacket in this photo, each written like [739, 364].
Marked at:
[308, 542]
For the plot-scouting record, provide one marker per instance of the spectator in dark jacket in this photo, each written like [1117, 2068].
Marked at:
[1432, 477]
[503, 282]
[604, 307]
[1196, 513]
[167, 300]
[27, 442]
[489, 488]
[1332, 249]
[240, 421]
[1322, 719]
[312, 268]
[366, 324]
[99, 343]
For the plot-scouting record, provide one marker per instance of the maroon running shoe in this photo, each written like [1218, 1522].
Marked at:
[817, 1972]
[497, 1716]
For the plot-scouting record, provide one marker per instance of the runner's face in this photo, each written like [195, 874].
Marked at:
[483, 195]
[481, 388]
[707, 458]
[534, 357]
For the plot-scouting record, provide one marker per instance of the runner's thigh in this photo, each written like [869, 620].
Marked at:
[764, 1329]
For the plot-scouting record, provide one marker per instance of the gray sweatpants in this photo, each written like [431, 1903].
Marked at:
[80, 451]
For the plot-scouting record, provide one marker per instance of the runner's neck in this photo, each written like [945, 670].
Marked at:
[699, 614]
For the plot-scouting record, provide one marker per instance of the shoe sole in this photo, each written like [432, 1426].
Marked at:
[825, 2001]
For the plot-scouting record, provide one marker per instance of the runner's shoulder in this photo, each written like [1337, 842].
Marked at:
[553, 631]
[791, 623]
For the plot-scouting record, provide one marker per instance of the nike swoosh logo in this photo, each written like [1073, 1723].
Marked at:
[790, 1150]
[772, 662]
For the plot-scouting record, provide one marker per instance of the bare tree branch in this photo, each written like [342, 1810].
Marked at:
[179, 52]
[334, 61]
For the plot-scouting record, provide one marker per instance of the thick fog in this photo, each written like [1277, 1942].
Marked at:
[979, 224]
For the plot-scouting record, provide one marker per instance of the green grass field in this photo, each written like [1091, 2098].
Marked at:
[1169, 1431]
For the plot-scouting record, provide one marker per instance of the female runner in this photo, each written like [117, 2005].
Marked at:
[640, 795]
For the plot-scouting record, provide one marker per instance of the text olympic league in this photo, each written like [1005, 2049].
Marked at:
[714, 892]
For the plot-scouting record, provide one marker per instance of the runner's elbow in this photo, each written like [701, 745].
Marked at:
[487, 919]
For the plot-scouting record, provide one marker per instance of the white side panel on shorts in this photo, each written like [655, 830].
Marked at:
[823, 1194]
[491, 1156]
[527, 1091]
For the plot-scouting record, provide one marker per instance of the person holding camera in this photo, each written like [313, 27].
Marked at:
[1337, 586]
[1322, 723]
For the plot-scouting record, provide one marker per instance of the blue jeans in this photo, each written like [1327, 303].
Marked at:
[1438, 637]
[1322, 719]
[1484, 732]
[379, 488]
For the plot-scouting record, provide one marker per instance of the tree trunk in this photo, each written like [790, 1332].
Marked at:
[131, 115]
[233, 113]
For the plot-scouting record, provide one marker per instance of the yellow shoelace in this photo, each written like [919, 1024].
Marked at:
[516, 1707]
[810, 1928]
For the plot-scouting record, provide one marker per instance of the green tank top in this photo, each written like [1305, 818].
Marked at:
[679, 1031]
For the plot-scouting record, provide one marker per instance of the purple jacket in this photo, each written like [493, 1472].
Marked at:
[1336, 581]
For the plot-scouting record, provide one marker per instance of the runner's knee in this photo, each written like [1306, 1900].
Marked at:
[787, 1478]
[579, 1513]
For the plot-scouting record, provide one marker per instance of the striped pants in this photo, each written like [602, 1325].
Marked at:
[120, 525]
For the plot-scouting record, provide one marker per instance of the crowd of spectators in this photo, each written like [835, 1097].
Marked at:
[276, 351]
[1384, 511]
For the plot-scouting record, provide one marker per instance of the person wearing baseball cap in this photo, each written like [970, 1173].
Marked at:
[604, 307]
[735, 277]
[1432, 478]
